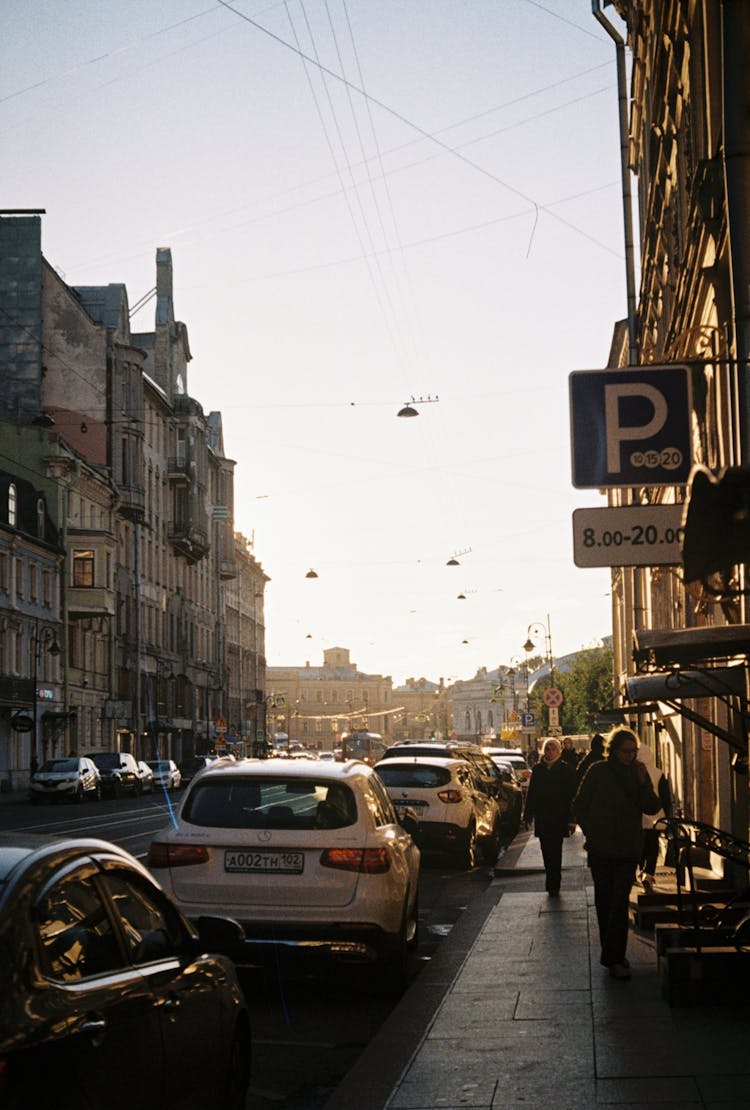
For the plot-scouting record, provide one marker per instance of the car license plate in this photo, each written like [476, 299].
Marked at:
[414, 803]
[266, 862]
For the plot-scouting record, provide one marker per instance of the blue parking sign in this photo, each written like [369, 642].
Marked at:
[630, 427]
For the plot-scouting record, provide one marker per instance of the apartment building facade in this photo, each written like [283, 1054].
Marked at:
[680, 635]
[142, 497]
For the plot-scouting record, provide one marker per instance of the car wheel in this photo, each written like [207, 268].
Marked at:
[237, 1080]
[78, 796]
[491, 846]
[466, 857]
[412, 935]
[389, 974]
[98, 792]
[137, 788]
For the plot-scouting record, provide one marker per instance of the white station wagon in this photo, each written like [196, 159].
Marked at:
[303, 854]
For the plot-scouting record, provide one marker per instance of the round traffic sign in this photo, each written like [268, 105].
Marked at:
[552, 697]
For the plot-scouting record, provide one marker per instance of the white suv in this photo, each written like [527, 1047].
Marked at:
[302, 854]
[453, 811]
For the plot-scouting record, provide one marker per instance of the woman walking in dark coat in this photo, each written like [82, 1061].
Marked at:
[548, 801]
[609, 806]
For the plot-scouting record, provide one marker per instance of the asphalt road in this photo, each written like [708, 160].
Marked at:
[311, 1022]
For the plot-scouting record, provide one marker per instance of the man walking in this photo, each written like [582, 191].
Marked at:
[548, 801]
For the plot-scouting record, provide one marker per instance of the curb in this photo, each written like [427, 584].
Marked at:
[374, 1076]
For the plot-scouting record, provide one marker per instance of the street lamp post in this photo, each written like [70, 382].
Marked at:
[536, 629]
[41, 636]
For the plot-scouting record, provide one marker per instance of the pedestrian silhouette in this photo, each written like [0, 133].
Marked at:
[548, 800]
[609, 806]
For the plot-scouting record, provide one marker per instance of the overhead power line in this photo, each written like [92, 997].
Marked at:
[416, 127]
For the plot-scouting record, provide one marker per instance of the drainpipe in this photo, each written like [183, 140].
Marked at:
[627, 202]
[735, 50]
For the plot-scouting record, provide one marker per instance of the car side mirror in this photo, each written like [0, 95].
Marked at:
[220, 934]
[408, 819]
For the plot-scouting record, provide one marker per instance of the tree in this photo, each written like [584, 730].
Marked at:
[588, 688]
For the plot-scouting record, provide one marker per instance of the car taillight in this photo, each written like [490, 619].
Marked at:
[450, 796]
[367, 861]
[176, 855]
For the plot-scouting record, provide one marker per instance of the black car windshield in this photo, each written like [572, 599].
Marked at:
[107, 759]
[270, 803]
[59, 765]
[422, 775]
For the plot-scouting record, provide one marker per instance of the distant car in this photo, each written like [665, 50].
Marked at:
[194, 765]
[71, 777]
[516, 757]
[454, 813]
[109, 998]
[305, 855]
[490, 778]
[327, 757]
[166, 773]
[146, 775]
[119, 773]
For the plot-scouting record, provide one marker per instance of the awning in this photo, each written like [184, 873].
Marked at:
[689, 646]
[673, 688]
[724, 682]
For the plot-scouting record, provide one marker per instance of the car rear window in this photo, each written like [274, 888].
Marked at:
[270, 803]
[420, 775]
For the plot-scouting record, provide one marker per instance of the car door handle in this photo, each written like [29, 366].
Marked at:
[94, 1027]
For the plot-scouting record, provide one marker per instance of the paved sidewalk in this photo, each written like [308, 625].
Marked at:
[529, 1018]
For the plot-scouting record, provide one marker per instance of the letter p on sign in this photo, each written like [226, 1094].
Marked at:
[616, 433]
[630, 427]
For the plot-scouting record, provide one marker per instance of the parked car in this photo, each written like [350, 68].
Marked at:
[109, 997]
[146, 775]
[454, 813]
[194, 765]
[517, 758]
[119, 773]
[71, 777]
[300, 853]
[490, 778]
[166, 773]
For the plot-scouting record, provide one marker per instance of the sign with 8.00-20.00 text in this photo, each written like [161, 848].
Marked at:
[628, 536]
[630, 427]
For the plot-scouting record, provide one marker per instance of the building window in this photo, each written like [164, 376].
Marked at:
[40, 518]
[83, 568]
[12, 505]
[3, 572]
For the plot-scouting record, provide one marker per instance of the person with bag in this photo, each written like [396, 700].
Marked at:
[548, 800]
[609, 806]
[650, 850]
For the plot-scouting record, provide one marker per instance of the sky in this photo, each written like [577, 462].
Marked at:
[367, 201]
